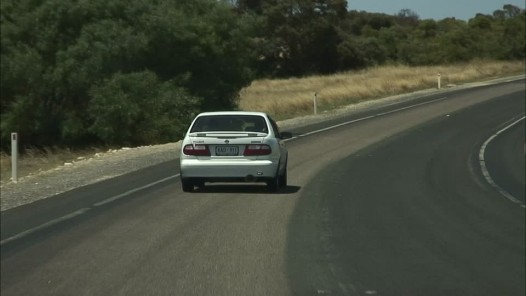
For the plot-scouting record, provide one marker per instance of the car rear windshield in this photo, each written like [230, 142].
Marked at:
[230, 123]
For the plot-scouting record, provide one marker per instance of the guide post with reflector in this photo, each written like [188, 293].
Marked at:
[14, 157]
[315, 99]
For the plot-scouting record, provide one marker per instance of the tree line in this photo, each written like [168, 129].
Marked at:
[133, 72]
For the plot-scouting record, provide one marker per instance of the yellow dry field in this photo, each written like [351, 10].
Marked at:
[286, 98]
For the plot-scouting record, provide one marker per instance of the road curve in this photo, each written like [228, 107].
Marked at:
[504, 160]
[413, 215]
[305, 240]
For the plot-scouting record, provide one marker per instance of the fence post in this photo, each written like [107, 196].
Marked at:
[438, 78]
[14, 157]
[315, 103]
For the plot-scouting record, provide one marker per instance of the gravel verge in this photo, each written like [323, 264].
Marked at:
[103, 166]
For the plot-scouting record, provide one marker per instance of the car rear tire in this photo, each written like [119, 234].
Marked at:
[188, 186]
[283, 178]
[273, 184]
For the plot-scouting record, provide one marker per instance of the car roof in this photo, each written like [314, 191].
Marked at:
[232, 113]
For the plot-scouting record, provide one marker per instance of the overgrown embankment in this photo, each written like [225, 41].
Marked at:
[286, 98]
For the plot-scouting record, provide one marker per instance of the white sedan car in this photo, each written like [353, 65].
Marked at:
[234, 146]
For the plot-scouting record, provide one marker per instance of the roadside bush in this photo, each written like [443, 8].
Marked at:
[137, 108]
[156, 57]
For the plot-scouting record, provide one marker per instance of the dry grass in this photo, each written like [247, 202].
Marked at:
[286, 98]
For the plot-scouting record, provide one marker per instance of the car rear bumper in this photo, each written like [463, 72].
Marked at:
[195, 168]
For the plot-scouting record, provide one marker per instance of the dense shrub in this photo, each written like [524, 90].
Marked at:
[117, 71]
[137, 108]
[133, 72]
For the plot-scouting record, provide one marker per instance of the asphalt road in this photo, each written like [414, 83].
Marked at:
[390, 202]
[412, 215]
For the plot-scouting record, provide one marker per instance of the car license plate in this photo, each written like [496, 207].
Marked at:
[227, 150]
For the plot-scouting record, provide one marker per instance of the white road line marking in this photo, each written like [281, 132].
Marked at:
[364, 118]
[485, 171]
[117, 197]
[45, 225]
[81, 211]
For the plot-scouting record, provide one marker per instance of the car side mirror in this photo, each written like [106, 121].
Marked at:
[286, 135]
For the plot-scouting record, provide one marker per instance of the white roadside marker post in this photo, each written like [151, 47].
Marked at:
[315, 103]
[438, 78]
[14, 157]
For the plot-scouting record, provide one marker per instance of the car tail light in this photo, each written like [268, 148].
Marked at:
[196, 150]
[257, 149]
